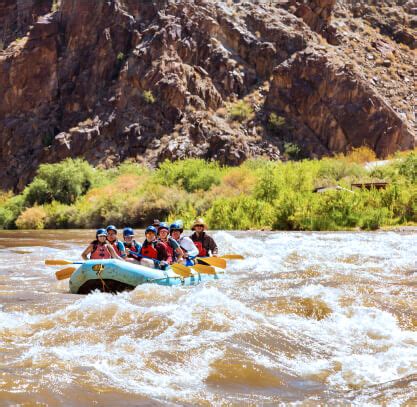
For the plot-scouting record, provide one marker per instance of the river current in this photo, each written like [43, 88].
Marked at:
[306, 319]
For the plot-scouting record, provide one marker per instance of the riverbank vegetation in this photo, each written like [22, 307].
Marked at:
[258, 194]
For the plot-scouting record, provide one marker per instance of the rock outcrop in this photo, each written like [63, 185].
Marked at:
[332, 107]
[155, 80]
[16, 16]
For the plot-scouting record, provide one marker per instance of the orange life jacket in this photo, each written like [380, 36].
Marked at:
[100, 251]
[201, 250]
[149, 250]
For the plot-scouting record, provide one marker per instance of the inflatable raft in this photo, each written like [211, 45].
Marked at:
[115, 276]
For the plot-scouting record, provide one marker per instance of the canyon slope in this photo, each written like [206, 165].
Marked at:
[154, 80]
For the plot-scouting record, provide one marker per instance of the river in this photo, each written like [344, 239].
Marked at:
[305, 319]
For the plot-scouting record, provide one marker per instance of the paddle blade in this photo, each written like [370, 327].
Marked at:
[54, 262]
[181, 270]
[232, 256]
[214, 261]
[201, 268]
[65, 273]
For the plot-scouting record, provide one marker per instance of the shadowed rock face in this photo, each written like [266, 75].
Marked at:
[153, 80]
[334, 106]
[17, 15]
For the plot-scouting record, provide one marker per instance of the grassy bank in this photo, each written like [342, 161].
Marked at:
[258, 194]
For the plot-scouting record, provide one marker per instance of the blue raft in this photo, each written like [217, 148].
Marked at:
[115, 276]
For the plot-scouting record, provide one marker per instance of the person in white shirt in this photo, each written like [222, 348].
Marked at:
[187, 245]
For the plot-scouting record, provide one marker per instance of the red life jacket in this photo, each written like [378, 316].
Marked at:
[116, 247]
[100, 251]
[169, 250]
[149, 250]
[201, 250]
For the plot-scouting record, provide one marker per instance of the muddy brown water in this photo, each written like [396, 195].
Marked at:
[305, 319]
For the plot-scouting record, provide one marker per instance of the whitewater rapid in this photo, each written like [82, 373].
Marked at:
[306, 317]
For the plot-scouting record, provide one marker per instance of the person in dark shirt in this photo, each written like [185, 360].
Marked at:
[205, 244]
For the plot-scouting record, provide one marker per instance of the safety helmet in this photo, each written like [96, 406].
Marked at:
[177, 225]
[163, 225]
[151, 229]
[111, 227]
[128, 232]
[101, 232]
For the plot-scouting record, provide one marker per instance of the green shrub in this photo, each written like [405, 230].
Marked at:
[10, 210]
[291, 151]
[55, 5]
[148, 97]
[191, 174]
[267, 188]
[240, 110]
[284, 209]
[373, 218]
[408, 168]
[258, 194]
[58, 215]
[276, 123]
[339, 169]
[241, 212]
[31, 218]
[63, 182]
[38, 192]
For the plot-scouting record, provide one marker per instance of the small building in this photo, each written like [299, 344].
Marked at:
[370, 185]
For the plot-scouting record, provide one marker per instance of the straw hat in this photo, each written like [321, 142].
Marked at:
[199, 221]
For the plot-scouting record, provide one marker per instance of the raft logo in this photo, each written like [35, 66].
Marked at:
[98, 268]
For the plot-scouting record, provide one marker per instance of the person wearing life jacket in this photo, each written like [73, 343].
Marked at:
[100, 248]
[205, 244]
[131, 245]
[172, 248]
[118, 246]
[187, 245]
[153, 249]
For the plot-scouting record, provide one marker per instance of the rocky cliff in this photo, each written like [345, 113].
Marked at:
[150, 80]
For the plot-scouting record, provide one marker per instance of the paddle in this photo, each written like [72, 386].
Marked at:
[201, 268]
[181, 270]
[54, 262]
[65, 273]
[185, 271]
[213, 261]
[232, 256]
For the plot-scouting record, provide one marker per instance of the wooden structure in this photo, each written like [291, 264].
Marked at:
[370, 185]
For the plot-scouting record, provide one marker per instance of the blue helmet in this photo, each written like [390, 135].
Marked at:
[151, 229]
[163, 225]
[177, 225]
[111, 227]
[101, 232]
[128, 232]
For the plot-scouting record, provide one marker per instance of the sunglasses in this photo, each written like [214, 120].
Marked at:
[198, 226]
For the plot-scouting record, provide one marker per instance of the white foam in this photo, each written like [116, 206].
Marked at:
[183, 330]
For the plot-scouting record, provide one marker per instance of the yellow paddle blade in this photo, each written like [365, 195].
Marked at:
[65, 273]
[213, 261]
[181, 270]
[54, 262]
[232, 256]
[201, 268]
